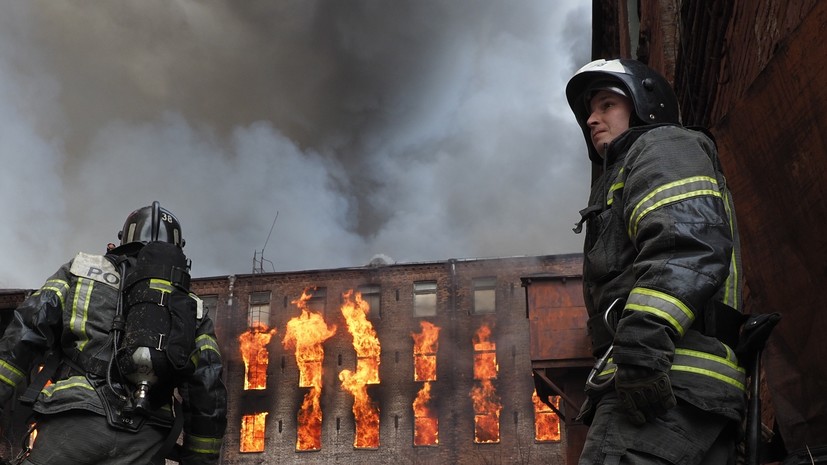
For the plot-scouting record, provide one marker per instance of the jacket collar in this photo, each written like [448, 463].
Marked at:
[620, 145]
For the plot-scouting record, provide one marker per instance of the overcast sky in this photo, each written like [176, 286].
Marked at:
[418, 129]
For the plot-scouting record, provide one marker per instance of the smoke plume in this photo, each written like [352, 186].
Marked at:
[417, 129]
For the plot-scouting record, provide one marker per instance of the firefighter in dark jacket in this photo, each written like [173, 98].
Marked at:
[85, 415]
[662, 246]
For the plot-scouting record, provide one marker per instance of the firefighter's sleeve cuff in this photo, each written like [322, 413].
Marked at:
[202, 445]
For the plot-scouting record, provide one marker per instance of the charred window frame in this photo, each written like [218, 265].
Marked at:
[253, 432]
[485, 295]
[318, 300]
[424, 297]
[546, 420]
[371, 293]
[259, 312]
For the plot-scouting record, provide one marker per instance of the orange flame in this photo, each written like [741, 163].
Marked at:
[546, 421]
[366, 344]
[426, 424]
[253, 344]
[306, 333]
[487, 404]
[252, 432]
[48, 381]
[426, 344]
[485, 355]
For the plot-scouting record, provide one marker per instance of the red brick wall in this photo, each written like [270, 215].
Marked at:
[282, 398]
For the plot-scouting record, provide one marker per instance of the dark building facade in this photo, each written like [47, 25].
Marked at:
[457, 296]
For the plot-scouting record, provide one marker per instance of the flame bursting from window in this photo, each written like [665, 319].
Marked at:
[253, 345]
[306, 333]
[252, 432]
[426, 423]
[487, 404]
[546, 421]
[366, 345]
[426, 344]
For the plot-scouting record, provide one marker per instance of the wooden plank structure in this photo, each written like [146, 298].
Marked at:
[560, 348]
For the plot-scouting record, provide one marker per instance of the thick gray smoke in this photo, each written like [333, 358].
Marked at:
[418, 129]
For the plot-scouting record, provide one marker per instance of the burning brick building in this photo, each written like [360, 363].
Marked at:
[410, 363]
[742, 68]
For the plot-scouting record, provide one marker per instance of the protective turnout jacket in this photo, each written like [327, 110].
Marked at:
[72, 314]
[661, 234]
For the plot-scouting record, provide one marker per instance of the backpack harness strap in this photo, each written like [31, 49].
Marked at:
[41, 378]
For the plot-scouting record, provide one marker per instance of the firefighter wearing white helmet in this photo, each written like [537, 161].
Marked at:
[661, 244]
[88, 413]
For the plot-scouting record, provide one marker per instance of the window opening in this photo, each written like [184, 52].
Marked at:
[424, 298]
[485, 295]
[252, 432]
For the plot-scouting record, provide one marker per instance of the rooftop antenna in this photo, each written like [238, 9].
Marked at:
[258, 259]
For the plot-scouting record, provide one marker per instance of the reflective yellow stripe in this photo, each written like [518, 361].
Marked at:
[68, 383]
[608, 370]
[699, 363]
[160, 285]
[10, 374]
[710, 365]
[202, 343]
[614, 187]
[80, 311]
[670, 193]
[206, 342]
[663, 305]
[58, 286]
[202, 445]
[731, 296]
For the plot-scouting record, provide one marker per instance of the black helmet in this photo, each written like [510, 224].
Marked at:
[149, 224]
[653, 98]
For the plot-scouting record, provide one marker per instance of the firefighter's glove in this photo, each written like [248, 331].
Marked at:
[644, 393]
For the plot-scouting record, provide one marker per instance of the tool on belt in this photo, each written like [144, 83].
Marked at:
[754, 336]
[600, 364]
